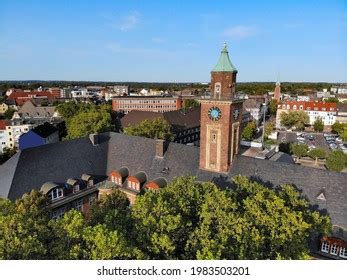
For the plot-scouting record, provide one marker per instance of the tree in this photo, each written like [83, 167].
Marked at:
[340, 129]
[249, 131]
[91, 121]
[268, 129]
[191, 103]
[316, 154]
[194, 220]
[9, 113]
[336, 161]
[297, 119]
[7, 154]
[318, 125]
[158, 128]
[299, 150]
[273, 107]
[24, 233]
[112, 211]
[332, 99]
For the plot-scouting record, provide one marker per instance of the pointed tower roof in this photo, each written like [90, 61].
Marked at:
[224, 64]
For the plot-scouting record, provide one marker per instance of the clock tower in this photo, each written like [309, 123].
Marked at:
[221, 117]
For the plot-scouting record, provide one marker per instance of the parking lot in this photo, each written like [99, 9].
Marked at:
[312, 140]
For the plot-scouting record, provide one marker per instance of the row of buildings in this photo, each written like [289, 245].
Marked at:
[43, 121]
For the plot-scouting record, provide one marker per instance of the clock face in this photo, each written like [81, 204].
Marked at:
[214, 113]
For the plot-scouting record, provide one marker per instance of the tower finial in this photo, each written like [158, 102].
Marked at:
[225, 47]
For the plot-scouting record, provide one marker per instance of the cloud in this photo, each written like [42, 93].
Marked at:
[124, 23]
[158, 40]
[240, 32]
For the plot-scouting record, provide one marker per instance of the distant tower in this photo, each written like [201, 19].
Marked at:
[277, 92]
[220, 118]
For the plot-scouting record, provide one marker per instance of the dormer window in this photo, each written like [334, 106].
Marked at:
[76, 188]
[325, 247]
[301, 107]
[333, 249]
[55, 194]
[288, 107]
[343, 252]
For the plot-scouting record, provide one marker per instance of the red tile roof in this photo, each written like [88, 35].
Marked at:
[2, 124]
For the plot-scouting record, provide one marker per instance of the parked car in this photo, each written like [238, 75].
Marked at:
[310, 137]
[300, 138]
[333, 146]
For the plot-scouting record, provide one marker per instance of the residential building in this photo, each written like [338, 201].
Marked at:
[185, 123]
[36, 114]
[341, 115]
[303, 98]
[80, 93]
[319, 109]
[14, 129]
[40, 135]
[3, 108]
[3, 136]
[339, 89]
[135, 164]
[148, 103]
[254, 107]
[121, 90]
[20, 97]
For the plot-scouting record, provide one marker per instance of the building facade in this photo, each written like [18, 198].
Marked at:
[14, 129]
[41, 135]
[315, 109]
[149, 103]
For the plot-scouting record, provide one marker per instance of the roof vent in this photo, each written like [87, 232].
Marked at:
[94, 138]
[321, 196]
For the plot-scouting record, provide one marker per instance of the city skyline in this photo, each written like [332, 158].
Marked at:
[172, 42]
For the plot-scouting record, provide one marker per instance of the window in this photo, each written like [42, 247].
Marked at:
[301, 107]
[214, 138]
[343, 252]
[58, 213]
[333, 249]
[76, 188]
[56, 193]
[78, 205]
[294, 107]
[325, 247]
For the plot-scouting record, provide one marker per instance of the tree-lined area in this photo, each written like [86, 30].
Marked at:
[85, 118]
[185, 220]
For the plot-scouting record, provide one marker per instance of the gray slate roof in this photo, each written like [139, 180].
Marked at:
[57, 162]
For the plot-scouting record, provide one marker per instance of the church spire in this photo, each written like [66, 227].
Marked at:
[224, 64]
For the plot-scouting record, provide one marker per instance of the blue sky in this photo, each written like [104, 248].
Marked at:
[172, 41]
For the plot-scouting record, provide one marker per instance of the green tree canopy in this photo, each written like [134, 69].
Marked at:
[299, 150]
[158, 128]
[297, 119]
[194, 220]
[191, 103]
[317, 153]
[95, 120]
[249, 131]
[23, 228]
[336, 161]
[340, 129]
[269, 126]
[273, 107]
[9, 113]
[318, 125]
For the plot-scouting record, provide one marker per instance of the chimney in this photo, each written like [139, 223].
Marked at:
[94, 138]
[160, 147]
